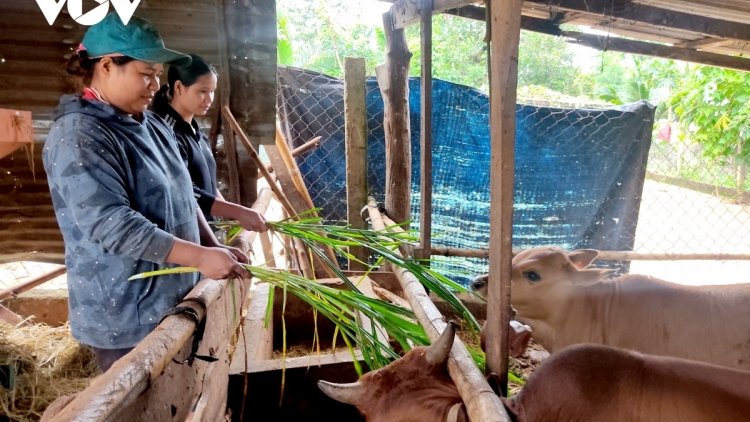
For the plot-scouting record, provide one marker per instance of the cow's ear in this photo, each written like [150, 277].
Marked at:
[591, 276]
[582, 258]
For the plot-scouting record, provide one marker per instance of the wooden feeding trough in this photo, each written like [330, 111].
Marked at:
[244, 375]
[257, 360]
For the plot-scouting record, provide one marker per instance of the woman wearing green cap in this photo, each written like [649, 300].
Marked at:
[122, 196]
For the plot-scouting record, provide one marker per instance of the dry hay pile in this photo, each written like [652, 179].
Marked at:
[50, 364]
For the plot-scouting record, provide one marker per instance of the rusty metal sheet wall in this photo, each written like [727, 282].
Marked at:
[33, 53]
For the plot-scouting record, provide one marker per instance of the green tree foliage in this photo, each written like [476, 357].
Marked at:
[713, 104]
[312, 36]
[547, 61]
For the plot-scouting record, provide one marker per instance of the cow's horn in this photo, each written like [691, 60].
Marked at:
[345, 393]
[439, 351]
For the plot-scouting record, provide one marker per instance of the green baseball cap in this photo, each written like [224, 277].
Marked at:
[138, 39]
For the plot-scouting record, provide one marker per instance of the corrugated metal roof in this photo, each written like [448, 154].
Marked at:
[33, 53]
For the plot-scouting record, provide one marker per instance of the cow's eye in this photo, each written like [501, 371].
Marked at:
[532, 276]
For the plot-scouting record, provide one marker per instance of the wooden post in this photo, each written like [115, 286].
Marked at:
[251, 52]
[30, 284]
[505, 31]
[393, 79]
[355, 118]
[425, 179]
[230, 146]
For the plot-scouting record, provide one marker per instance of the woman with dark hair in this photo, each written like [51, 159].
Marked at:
[189, 92]
[122, 197]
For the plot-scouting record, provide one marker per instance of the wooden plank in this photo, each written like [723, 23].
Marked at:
[729, 11]
[704, 43]
[618, 44]
[656, 50]
[34, 282]
[355, 118]
[608, 255]
[255, 342]
[268, 255]
[425, 139]
[482, 404]
[505, 35]
[393, 80]
[408, 12]
[12, 318]
[251, 41]
[46, 257]
[303, 362]
[146, 384]
[151, 382]
[230, 146]
[641, 15]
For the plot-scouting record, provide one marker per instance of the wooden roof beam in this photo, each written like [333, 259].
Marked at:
[528, 23]
[406, 12]
[704, 43]
[658, 50]
[661, 18]
[618, 44]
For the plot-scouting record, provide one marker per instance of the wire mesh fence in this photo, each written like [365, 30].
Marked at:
[672, 199]
[684, 202]
[15, 273]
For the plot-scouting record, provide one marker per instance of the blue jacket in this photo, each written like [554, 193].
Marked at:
[196, 152]
[121, 195]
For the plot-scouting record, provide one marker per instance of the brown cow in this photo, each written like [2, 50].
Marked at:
[415, 388]
[566, 304]
[591, 383]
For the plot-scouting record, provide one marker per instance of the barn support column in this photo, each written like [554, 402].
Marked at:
[355, 116]
[251, 56]
[425, 178]
[393, 79]
[505, 31]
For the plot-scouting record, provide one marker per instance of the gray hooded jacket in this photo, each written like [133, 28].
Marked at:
[121, 194]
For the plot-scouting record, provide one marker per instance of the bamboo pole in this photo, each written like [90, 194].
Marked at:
[288, 158]
[34, 282]
[482, 404]
[606, 255]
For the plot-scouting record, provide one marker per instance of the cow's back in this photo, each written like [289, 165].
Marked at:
[589, 383]
[705, 323]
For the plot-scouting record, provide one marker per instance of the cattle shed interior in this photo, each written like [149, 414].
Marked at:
[240, 39]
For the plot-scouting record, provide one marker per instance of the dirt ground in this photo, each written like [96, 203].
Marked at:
[679, 220]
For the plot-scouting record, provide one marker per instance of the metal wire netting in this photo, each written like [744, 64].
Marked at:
[18, 272]
[684, 202]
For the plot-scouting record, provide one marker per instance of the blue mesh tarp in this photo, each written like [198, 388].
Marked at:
[579, 172]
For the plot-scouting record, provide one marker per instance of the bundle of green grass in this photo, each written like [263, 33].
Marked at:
[39, 363]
